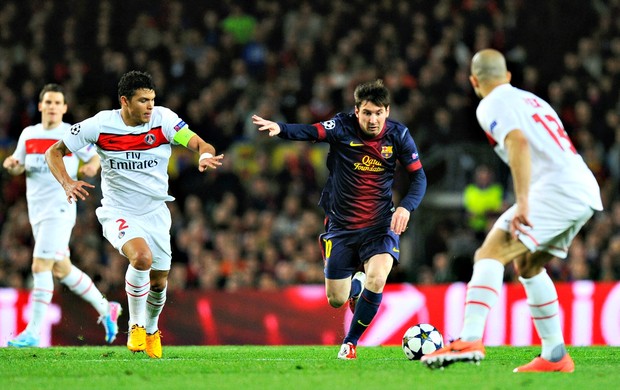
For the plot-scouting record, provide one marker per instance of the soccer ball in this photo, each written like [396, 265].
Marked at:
[421, 339]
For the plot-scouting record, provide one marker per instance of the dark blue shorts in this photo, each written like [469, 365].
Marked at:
[345, 250]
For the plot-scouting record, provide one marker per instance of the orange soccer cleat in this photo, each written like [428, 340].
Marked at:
[456, 351]
[541, 365]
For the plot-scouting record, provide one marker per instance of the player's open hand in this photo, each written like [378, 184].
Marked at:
[210, 162]
[400, 219]
[264, 124]
[75, 190]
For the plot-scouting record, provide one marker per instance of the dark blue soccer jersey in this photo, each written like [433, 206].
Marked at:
[358, 191]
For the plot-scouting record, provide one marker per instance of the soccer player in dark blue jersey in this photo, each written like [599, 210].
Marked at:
[362, 223]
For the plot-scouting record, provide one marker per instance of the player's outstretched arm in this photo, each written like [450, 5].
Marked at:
[12, 165]
[264, 124]
[74, 189]
[207, 158]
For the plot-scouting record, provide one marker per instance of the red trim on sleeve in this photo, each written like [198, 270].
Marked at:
[414, 166]
[491, 140]
[321, 134]
[119, 142]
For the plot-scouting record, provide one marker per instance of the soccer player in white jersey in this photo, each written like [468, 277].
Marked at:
[134, 143]
[52, 219]
[555, 193]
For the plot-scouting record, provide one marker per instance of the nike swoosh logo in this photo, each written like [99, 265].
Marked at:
[355, 144]
[395, 250]
[361, 323]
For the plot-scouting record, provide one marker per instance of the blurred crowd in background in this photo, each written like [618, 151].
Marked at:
[254, 223]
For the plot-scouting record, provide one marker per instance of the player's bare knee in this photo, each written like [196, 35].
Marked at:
[59, 273]
[375, 283]
[142, 260]
[336, 301]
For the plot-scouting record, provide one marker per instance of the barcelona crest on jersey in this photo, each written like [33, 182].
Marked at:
[386, 151]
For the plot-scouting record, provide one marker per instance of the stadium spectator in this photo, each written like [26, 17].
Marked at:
[86, 54]
[483, 200]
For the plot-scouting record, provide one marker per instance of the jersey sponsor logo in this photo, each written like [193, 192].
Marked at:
[180, 125]
[329, 125]
[354, 144]
[387, 151]
[132, 162]
[122, 142]
[369, 164]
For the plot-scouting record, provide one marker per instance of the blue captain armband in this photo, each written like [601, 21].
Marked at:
[183, 136]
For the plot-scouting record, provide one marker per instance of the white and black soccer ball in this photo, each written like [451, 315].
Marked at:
[421, 339]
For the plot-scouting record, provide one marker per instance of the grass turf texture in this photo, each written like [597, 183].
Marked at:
[289, 367]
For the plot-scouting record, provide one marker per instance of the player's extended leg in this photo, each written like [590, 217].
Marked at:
[82, 285]
[377, 269]
[542, 298]
[40, 298]
[154, 306]
[137, 287]
[483, 291]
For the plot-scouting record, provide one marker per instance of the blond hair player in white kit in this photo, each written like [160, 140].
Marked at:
[134, 143]
[52, 219]
[556, 194]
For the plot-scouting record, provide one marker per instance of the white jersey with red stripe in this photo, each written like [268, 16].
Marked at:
[134, 159]
[46, 198]
[557, 168]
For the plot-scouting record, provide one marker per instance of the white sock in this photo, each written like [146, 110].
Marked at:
[154, 305]
[41, 296]
[82, 285]
[137, 286]
[482, 293]
[542, 298]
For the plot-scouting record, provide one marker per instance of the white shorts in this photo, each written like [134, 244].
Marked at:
[556, 222]
[154, 227]
[51, 238]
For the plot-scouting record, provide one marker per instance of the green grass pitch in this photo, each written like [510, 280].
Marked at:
[289, 367]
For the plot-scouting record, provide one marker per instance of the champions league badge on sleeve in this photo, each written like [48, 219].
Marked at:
[180, 125]
[329, 125]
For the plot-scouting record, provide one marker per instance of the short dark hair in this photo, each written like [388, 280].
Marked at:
[372, 91]
[50, 88]
[133, 80]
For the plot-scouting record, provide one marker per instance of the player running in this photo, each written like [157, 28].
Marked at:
[556, 194]
[362, 224]
[52, 219]
[134, 145]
